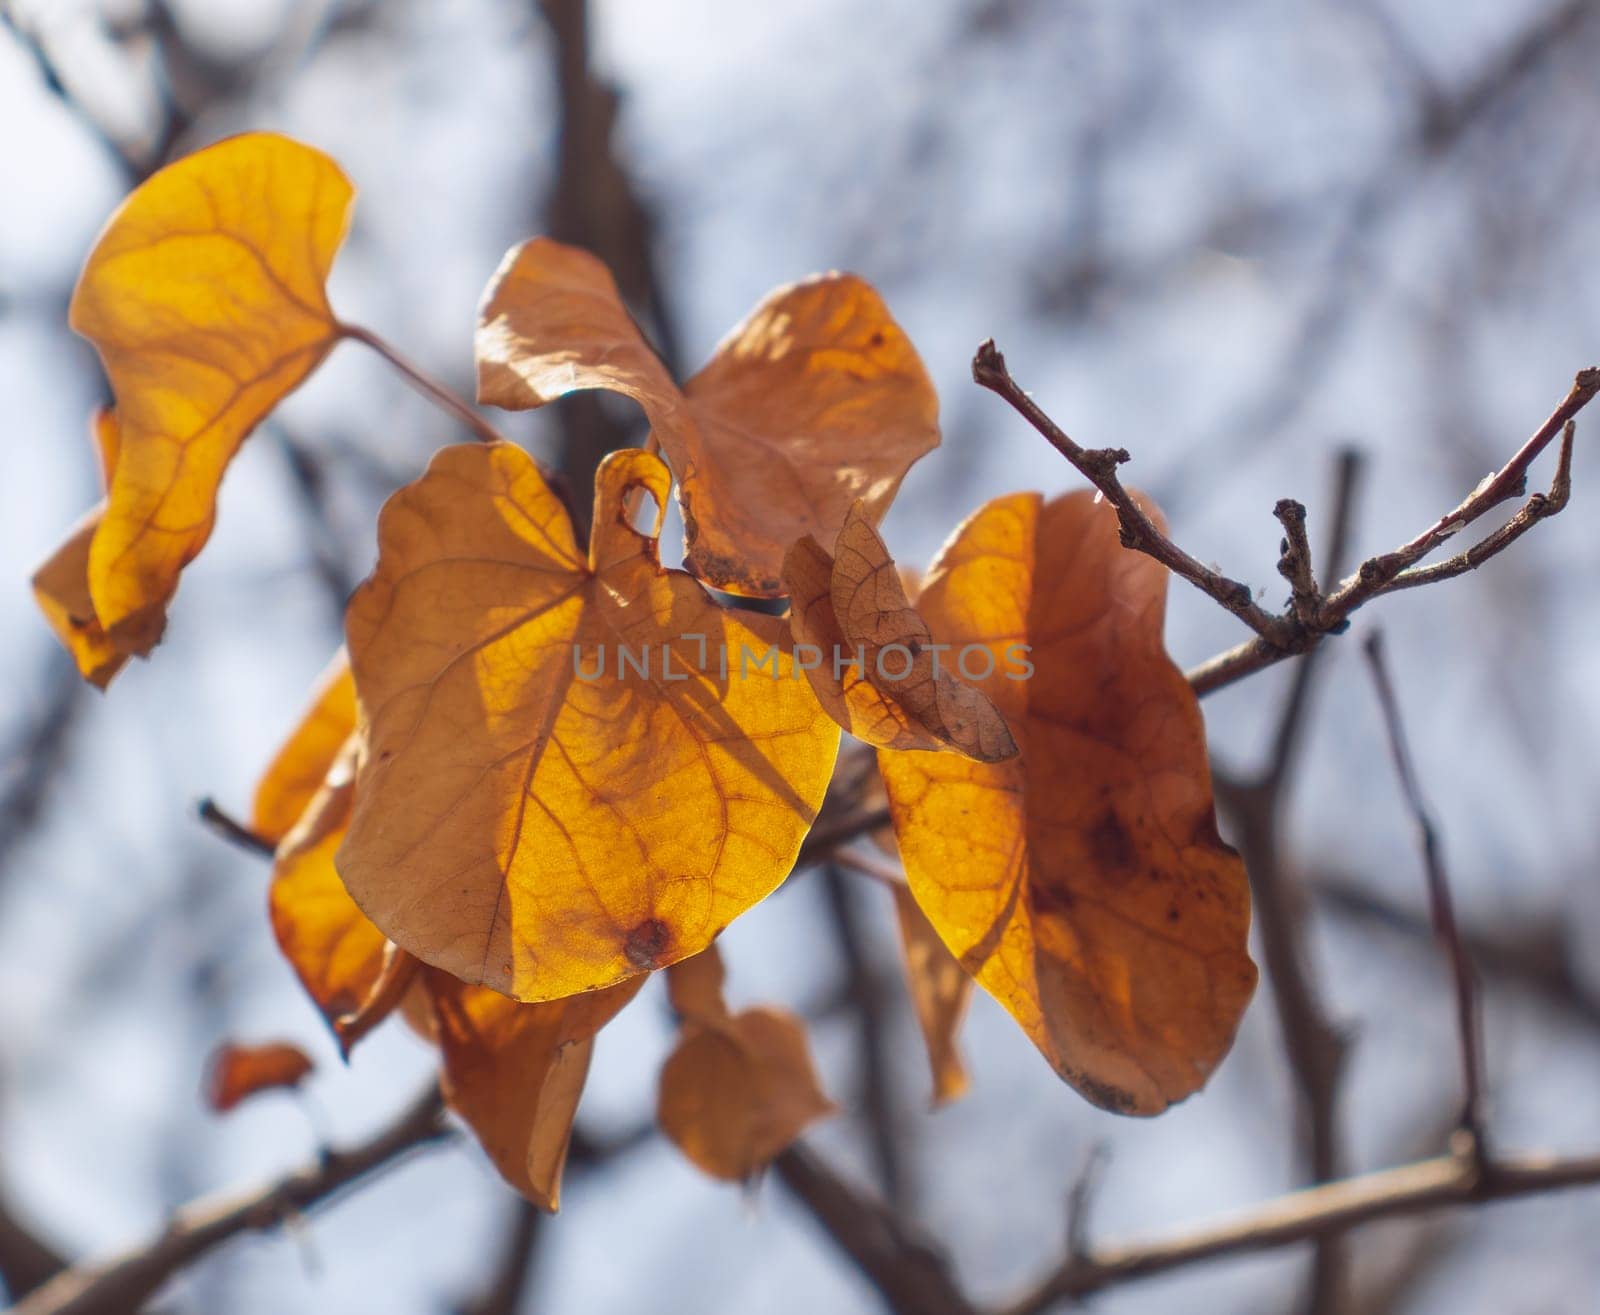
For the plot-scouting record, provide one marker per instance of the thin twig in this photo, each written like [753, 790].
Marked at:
[231, 829]
[1468, 1021]
[430, 388]
[507, 1285]
[124, 1283]
[1139, 532]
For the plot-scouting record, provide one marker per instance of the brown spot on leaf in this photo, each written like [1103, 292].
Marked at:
[647, 943]
[1111, 845]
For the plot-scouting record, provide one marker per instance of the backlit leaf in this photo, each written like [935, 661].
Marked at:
[61, 585]
[235, 1072]
[204, 297]
[302, 762]
[1083, 883]
[532, 813]
[878, 671]
[514, 1072]
[738, 1088]
[940, 989]
[816, 400]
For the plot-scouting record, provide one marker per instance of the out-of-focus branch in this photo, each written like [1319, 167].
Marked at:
[1328, 1210]
[508, 1283]
[122, 1284]
[26, 1259]
[30, 763]
[907, 1270]
[1468, 1023]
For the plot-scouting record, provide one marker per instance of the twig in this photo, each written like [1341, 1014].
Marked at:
[124, 1283]
[885, 874]
[231, 829]
[907, 1270]
[26, 1259]
[1468, 1022]
[1294, 561]
[1139, 532]
[424, 384]
[504, 1292]
[1316, 1212]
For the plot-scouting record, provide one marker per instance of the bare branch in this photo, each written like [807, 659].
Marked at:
[232, 830]
[1468, 1022]
[124, 1283]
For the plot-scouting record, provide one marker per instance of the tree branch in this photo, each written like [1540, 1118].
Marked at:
[123, 1283]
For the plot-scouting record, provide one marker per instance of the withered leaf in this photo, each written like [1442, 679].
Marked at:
[877, 669]
[816, 400]
[738, 1088]
[940, 990]
[236, 1072]
[301, 764]
[204, 297]
[564, 785]
[515, 1072]
[1083, 883]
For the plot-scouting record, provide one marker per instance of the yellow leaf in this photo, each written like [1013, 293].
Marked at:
[514, 1072]
[204, 297]
[335, 951]
[738, 1088]
[872, 661]
[940, 989]
[1083, 883]
[816, 400]
[302, 762]
[533, 813]
[61, 585]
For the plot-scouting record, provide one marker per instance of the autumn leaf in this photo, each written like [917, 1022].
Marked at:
[1083, 883]
[940, 990]
[878, 671]
[236, 1072]
[298, 769]
[204, 297]
[61, 585]
[738, 1088]
[514, 1072]
[532, 813]
[335, 951]
[816, 400]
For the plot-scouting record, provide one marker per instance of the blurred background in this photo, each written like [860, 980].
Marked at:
[1233, 236]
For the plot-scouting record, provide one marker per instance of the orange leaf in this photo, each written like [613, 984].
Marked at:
[514, 1072]
[204, 297]
[532, 813]
[816, 400]
[1083, 883]
[61, 585]
[738, 1088]
[879, 674]
[298, 769]
[940, 992]
[335, 951]
[235, 1072]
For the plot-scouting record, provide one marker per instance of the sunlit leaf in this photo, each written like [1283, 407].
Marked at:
[738, 1088]
[532, 813]
[873, 663]
[816, 400]
[61, 585]
[303, 761]
[514, 1072]
[204, 297]
[1083, 883]
[940, 992]
[236, 1072]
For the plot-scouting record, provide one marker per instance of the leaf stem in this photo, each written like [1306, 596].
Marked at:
[429, 387]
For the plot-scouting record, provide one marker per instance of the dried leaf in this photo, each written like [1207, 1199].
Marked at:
[236, 1072]
[302, 763]
[204, 297]
[1083, 883]
[877, 670]
[335, 951]
[816, 400]
[940, 989]
[738, 1088]
[533, 814]
[514, 1072]
[61, 585]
